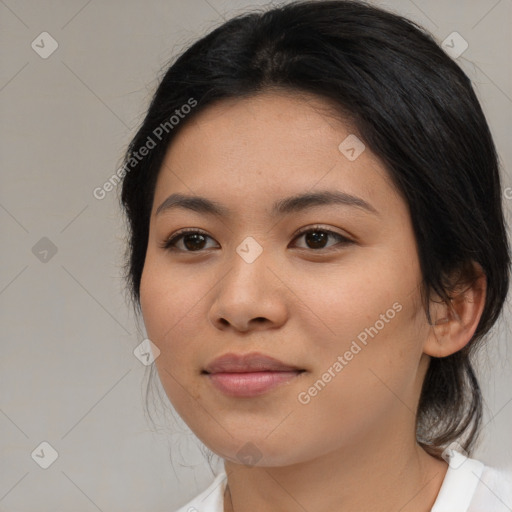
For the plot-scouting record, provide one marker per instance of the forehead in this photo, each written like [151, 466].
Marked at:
[268, 145]
[262, 117]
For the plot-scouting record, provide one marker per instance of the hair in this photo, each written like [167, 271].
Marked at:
[415, 109]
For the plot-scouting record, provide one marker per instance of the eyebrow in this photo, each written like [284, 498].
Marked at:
[281, 207]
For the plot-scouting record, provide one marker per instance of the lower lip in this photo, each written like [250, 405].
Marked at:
[250, 384]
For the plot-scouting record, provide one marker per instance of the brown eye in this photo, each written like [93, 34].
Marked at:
[188, 241]
[318, 238]
[194, 242]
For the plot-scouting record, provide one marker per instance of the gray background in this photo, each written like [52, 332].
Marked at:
[68, 375]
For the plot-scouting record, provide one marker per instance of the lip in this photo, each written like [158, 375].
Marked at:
[249, 375]
[252, 362]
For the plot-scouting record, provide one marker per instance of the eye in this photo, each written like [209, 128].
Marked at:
[195, 240]
[317, 238]
[191, 240]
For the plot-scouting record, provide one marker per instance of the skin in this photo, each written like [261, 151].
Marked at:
[353, 446]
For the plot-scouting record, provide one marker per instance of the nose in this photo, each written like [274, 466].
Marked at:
[249, 297]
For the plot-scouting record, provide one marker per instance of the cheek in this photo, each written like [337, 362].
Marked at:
[169, 308]
[367, 314]
[341, 301]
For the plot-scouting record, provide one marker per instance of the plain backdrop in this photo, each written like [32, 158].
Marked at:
[68, 374]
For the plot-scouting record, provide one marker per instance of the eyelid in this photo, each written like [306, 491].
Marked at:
[320, 227]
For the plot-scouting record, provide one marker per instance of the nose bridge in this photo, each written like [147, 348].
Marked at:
[250, 250]
[247, 291]
[249, 263]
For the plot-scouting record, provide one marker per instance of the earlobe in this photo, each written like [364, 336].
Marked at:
[454, 323]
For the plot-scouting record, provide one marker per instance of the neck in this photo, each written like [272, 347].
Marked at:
[371, 476]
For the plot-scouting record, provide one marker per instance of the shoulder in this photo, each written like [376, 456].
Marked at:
[471, 486]
[211, 499]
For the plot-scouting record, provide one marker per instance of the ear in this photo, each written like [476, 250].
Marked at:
[454, 323]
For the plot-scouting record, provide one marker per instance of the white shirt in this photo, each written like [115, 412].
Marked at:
[468, 486]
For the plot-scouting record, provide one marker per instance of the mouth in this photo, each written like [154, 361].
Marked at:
[249, 375]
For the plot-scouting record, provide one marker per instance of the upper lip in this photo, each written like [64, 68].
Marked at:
[253, 362]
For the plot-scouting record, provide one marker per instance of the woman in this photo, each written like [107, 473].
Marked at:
[317, 247]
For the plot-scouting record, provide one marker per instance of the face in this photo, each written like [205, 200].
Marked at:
[329, 284]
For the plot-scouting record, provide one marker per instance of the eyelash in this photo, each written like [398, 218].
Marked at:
[170, 242]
